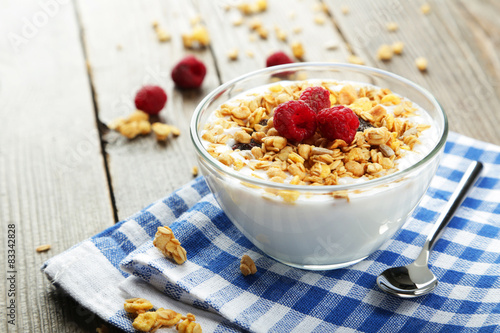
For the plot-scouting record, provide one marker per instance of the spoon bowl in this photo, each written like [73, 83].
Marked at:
[408, 281]
[416, 279]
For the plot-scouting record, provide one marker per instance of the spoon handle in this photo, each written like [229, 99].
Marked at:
[469, 178]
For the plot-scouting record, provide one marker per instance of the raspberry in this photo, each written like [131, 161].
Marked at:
[317, 98]
[295, 120]
[338, 122]
[150, 99]
[278, 58]
[189, 73]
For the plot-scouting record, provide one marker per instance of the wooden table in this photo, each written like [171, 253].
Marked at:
[67, 68]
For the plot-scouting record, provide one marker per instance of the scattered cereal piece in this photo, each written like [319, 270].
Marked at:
[298, 50]
[250, 53]
[331, 45]
[262, 32]
[345, 9]
[144, 127]
[130, 130]
[280, 34]
[247, 266]
[238, 21]
[43, 248]
[144, 322]
[151, 321]
[166, 242]
[233, 54]
[188, 325]
[161, 130]
[137, 305]
[162, 35]
[384, 52]
[392, 26]
[166, 318]
[421, 63]
[397, 47]
[319, 19]
[297, 29]
[198, 37]
[138, 115]
[353, 59]
[194, 171]
[119, 47]
[425, 8]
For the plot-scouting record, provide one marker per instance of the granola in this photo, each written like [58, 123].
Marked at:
[241, 135]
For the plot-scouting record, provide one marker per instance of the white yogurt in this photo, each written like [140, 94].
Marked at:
[318, 230]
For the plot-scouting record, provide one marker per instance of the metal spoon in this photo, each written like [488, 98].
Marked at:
[416, 279]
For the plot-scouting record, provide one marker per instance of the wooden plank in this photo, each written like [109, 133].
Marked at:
[297, 20]
[53, 186]
[124, 54]
[456, 75]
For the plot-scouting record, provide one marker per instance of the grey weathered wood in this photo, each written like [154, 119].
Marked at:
[142, 170]
[53, 184]
[296, 14]
[458, 73]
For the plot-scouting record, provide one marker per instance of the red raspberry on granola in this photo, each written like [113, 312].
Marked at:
[317, 98]
[338, 122]
[295, 120]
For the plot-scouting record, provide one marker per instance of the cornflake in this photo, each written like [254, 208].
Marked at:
[43, 248]
[137, 306]
[166, 242]
[298, 50]
[421, 64]
[425, 8]
[194, 171]
[151, 321]
[353, 59]
[397, 47]
[188, 325]
[144, 322]
[136, 124]
[247, 266]
[392, 26]
[384, 52]
[233, 54]
[198, 37]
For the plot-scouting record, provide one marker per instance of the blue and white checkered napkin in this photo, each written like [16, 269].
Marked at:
[466, 261]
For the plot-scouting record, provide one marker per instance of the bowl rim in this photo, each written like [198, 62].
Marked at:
[308, 188]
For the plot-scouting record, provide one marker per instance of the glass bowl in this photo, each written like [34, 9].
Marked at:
[326, 227]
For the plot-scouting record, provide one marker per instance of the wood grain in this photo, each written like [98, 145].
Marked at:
[52, 181]
[142, 170]
[297, 20]
[457, 74]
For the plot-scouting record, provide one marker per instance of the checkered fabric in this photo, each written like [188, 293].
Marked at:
[121, 262]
